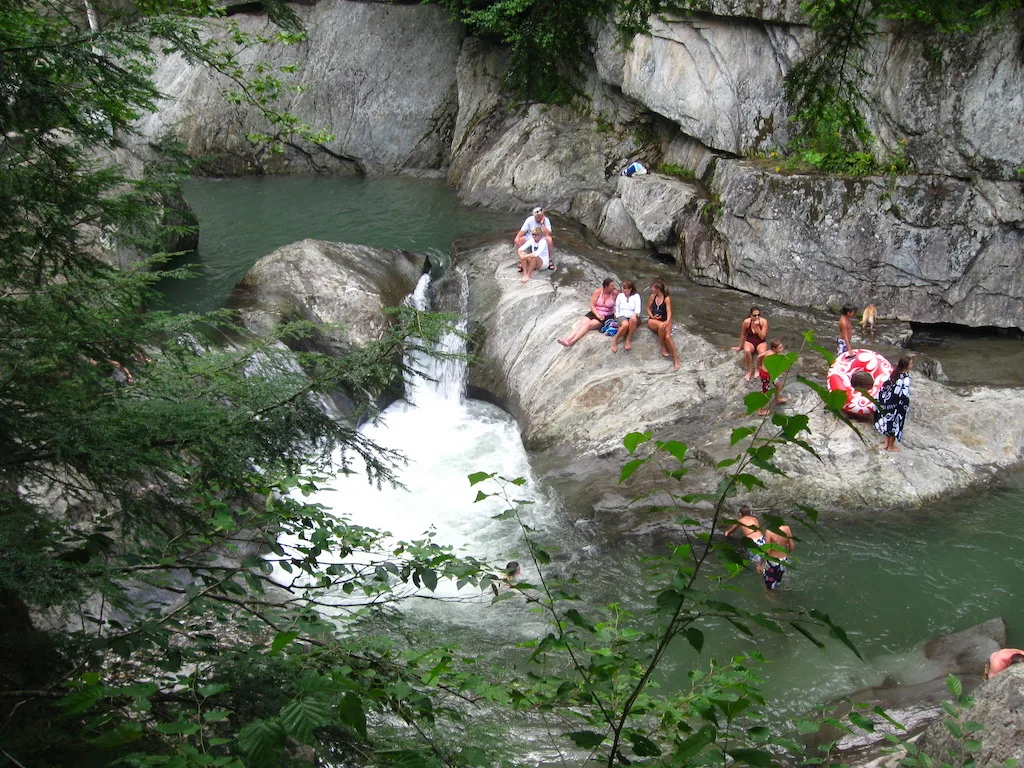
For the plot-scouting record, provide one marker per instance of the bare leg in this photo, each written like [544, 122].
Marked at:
[551, 252]
[578, 331]
[778, 393]
[620, 332]
[748, 360]
[665, 336]
[634, 321]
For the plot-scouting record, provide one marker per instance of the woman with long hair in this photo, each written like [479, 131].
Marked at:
[894, 404]
[753, 339]
[659, 310]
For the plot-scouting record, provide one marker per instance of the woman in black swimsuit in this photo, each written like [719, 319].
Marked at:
[753, 333]
[659, 307]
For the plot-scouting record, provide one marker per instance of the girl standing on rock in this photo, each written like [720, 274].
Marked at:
[753, 332]
[894, 404]
[659, 308]
[602, 305]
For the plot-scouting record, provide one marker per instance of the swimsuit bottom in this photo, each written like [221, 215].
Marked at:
[773, 574]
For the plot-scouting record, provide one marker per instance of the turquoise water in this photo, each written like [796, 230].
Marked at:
[892, 582]
[242, 220]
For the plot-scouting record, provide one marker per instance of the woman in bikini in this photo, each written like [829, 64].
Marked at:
[602, 305]
[659, 308]
[753, 333]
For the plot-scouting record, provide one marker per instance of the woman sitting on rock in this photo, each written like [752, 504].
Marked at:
[659, 307]
[627, 313]
[533, 254]
[753, 339]
[602, 305]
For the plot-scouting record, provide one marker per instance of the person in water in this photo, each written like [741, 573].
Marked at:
[775, 348]
[844, 342]
[1001, 659]
[602, 306]
[753, 332]
[659, 310]
[533, 254]
[775, 544]
[627, 314]
[537, 219]
[893, 405]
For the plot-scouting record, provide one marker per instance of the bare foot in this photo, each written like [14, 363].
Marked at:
[664, 352]
[615, 346]
[675, 365]
[523, 279]
[628, 346]
[747, 377]
[781, 399]
[763, 412]
[564, 343]
[894, 449]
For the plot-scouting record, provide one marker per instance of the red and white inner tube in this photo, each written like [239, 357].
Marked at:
[849, 363]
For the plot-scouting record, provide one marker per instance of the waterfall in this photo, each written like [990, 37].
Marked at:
[440, 378]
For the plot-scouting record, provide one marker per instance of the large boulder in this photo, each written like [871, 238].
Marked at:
[379, 77]
[927, 248]
[999, 709]
[346, 287]
[578, 403]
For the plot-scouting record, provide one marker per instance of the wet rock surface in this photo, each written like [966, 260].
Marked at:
[575, 405]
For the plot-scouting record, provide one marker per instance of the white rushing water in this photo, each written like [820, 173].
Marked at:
[445, 438]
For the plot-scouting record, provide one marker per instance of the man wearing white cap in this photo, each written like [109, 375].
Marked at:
[537, 219]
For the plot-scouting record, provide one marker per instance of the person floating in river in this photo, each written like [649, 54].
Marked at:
[894, 404]
[753, 332]
[533, 254]
[1001, 659]
[775, 348]
[844, 342]
[602, 306]
[537, 219]
[659, 309]
[627, 313]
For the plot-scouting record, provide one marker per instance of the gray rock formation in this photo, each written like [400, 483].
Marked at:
[341, 285]
[999, 709]
[380, 77]
[580, 402]
[926, 248]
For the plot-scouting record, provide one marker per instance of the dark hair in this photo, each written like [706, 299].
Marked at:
[902, 366]
[511, 566]
[660, 286]
[752, 310]
[607, 281]
[847, 309]
[1017, 658]
[744, 510]
[776, 343]
[628, 284]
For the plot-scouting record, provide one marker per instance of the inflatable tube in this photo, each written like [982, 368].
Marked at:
[848, 364]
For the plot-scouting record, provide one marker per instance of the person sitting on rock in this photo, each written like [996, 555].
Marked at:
[1002, 659]
[602, 306]
[753, 335]
[659, 309]
[627, 313]
[537, 219]
[533, 254]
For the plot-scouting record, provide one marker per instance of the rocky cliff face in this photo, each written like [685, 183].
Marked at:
[404, 90]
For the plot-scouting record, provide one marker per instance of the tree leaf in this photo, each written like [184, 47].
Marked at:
[585, 739]
[281, 641]
[479, 477]
[300, 716]
[675, 448]
[629, 468]
[954, 686]
[263, 740]
[350, 710]
[643, 746]
[634, 439]
[695, 638]
[740, 433]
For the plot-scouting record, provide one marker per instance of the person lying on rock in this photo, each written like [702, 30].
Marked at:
[533, 254]
[537, 219]
[627, 314]
[753, 332]
[659, 309]
[602, 305]
[1002, 659]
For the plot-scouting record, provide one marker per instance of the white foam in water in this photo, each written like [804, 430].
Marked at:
[445, 439]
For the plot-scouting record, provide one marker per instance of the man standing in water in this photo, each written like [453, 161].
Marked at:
[779, 544]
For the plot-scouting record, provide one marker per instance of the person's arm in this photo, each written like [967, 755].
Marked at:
[526, 249]
[619, 304]
[743, 333]
[593, 303]
[637, 303]
[650, 303]
[764, 329]
[668, 309]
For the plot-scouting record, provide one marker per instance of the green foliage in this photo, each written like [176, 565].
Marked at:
[671, 169]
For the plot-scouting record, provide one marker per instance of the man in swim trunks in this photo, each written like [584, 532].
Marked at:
[1002, 659]
[778, 544]
[750, 527]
